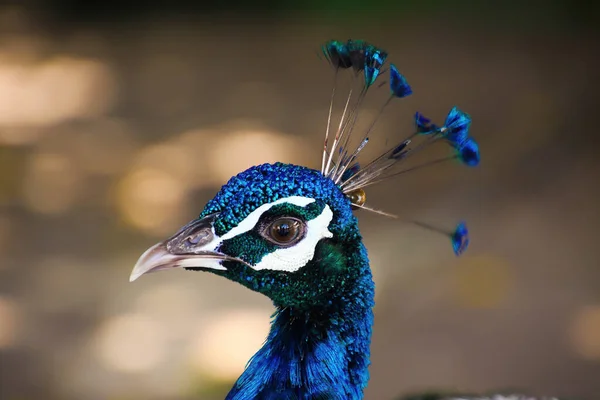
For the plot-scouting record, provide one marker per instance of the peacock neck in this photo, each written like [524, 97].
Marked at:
[317, 353]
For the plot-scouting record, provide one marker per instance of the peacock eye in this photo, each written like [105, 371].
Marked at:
[284, 231]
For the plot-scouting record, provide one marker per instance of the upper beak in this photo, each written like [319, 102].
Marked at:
[193, 246]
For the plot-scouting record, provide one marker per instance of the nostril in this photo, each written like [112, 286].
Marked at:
[198, 238]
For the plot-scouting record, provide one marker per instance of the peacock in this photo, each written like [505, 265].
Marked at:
[290, 233]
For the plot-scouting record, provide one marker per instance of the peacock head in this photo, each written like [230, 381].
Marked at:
[279, 229]
[288, 231]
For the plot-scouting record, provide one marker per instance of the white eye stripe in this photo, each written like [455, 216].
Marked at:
[291, 259]
[248, 223]
[288, 259]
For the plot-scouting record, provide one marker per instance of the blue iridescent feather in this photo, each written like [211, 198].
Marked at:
[460, 239]
[457, 125]
[398, 84]
[351, 171]
[424, 125]
[374, 60]
[468, 152]
[337, 54]
[356, 50]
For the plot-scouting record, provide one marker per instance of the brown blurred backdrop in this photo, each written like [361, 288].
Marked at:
[119, 121]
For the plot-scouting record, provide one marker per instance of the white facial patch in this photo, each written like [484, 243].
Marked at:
[250, 221]
[290, 259]
[293, 258]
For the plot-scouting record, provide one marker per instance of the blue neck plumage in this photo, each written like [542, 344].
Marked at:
[315, 354]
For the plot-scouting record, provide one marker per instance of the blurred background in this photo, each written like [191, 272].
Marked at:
[119, 121]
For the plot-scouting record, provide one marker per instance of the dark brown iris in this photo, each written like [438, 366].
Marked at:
[285, 230]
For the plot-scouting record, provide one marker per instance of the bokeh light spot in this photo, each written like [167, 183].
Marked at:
[151, 200]
[241, 149]
[584, 332]
[8, 323]
[170, 157]
[47, 93]
[51, 184]
[198, 144]
[131, 343]
[226, 343]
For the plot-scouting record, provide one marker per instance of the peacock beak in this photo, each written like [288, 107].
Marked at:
[194, 246]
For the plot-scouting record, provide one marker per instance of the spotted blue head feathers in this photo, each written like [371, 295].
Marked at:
[290, 232]
[398, 84]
